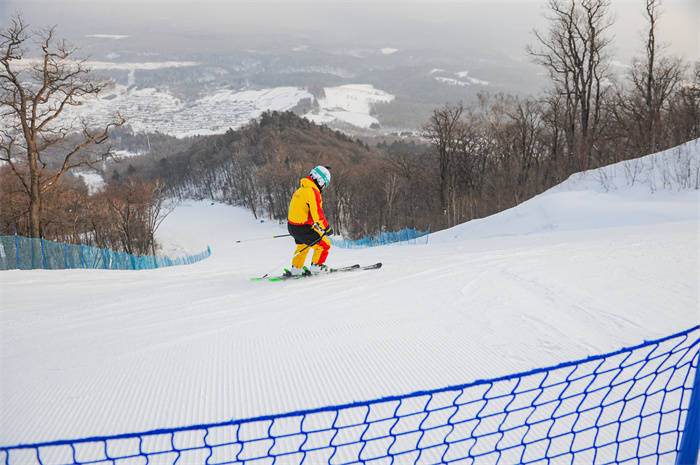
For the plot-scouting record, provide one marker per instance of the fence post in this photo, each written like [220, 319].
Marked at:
[17, 248]
[82, 255]
[690, 441]
[65, 250]
[43, 252]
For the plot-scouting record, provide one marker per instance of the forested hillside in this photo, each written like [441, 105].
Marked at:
[260, 165]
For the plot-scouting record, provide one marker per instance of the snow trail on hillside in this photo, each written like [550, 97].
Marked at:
[579, 270]
[351, 103]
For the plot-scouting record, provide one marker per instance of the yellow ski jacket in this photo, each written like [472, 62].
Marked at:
[306, 206]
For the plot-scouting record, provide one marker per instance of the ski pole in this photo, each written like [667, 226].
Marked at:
[311, 245]
[263, 238]
[307, 246]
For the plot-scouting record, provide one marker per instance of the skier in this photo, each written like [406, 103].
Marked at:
[307, 223]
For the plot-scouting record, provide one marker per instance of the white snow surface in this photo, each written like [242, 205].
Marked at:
[351, 103]
[458, 82]
[94, 181]
[150, 109]
[585, 268]
[464, 80]
[472, 80]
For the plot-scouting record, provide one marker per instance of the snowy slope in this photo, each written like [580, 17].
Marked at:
[582, 269]
[351, 103]
[659, 188]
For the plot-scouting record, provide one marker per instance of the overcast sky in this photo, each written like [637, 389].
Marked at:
[505, 23]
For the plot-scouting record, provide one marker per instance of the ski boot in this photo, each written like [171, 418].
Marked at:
[295, 272]
[317, 268]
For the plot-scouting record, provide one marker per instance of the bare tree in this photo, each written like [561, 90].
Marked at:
[34, 97]
[655, 79]
[525, 140]
[574, 53]
[138, 209]
[442, 132]
[684, 110]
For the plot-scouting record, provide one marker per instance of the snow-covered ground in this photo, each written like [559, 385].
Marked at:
[472, 80]
[151, 110]
[94, 181]
[350, 103]
[464, 80]
[588, 267]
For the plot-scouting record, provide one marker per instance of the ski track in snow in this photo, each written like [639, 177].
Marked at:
[99, 352]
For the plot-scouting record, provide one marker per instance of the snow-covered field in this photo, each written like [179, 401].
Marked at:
[595, 264]
[94, 181]
[149, 109]
[464, 78]
[350, 103]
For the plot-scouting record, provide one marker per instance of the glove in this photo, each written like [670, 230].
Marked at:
[324, 232]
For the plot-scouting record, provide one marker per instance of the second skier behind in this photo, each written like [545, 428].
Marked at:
[307, 223]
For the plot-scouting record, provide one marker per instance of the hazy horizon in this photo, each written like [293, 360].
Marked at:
[418, 55]
[504, 26]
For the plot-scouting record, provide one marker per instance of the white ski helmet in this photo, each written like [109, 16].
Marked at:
[321, 175]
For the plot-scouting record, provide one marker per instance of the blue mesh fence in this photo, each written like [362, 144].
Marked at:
[24, 253]
[408, 236]
[629, 406]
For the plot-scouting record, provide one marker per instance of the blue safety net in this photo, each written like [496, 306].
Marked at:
[631, 406]
[24, 253]
[405, 236]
